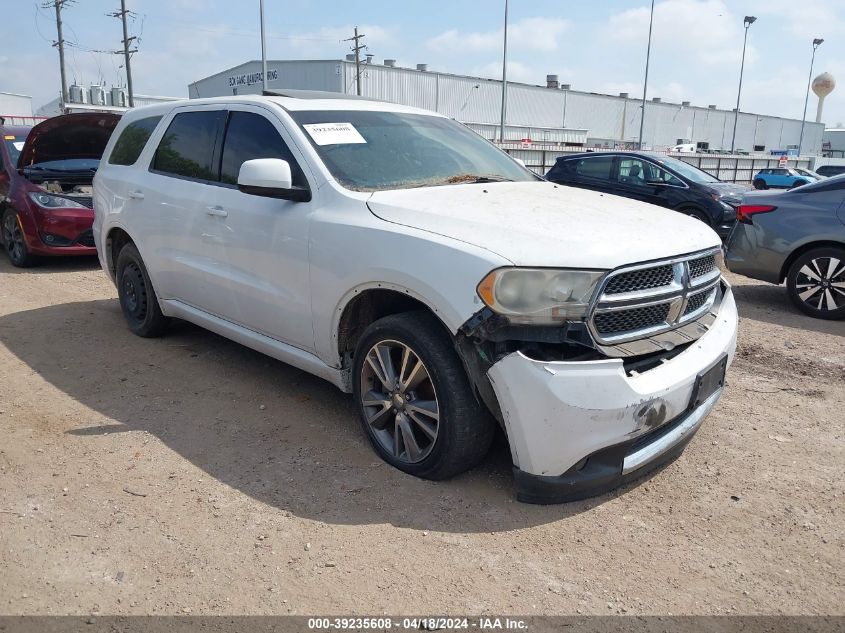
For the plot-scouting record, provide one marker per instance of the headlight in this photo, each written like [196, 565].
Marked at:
[539, 295]
[46, 201]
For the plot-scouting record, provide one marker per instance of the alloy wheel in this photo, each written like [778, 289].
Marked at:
[13, 237]
[399, 401]
[820, 283]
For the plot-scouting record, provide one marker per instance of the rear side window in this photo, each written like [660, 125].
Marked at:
[132, 140]
[599, 167]
[187, 147]
[250, 136]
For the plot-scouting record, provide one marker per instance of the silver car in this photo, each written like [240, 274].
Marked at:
[796, 236]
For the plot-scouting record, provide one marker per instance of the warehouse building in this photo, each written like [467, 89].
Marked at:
[553, 114]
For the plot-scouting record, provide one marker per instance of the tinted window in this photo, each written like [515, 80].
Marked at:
[132, 140]
[250, 136]
[633, 171]
[187, 148]
[598, 167]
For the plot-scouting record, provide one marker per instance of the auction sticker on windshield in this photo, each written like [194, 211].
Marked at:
[334, 133]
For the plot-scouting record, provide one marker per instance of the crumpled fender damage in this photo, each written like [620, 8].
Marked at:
[557, 413]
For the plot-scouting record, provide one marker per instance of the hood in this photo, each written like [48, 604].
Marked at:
[729, 189]
[540, 224]
[82, 135]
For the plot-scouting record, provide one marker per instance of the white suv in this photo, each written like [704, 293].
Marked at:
[405, 259]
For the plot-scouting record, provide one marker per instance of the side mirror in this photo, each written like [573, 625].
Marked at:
[271, 178]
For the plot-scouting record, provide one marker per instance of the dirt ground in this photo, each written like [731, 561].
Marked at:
[189, 474]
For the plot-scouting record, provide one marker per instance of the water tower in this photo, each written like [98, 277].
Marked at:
[823, 85]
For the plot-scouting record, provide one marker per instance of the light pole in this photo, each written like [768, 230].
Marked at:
[749, 20]
[263, 48]
[645, 83]
[504, 76]
[816, 43]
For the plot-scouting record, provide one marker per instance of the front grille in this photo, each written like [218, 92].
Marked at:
[696, 301]
[86, 239]
[702, 266]
[644, 301]
[621, 321]
[643, 279]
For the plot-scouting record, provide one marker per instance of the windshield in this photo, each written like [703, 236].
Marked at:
[375, 151]
[66, 164]
[14, 144]
[688, 171]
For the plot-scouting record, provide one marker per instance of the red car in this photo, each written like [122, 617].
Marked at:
[46, 185]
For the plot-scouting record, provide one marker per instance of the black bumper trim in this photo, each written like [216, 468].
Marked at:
[601, 473]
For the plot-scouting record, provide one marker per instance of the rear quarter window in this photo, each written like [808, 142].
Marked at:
[132, 140]
[187, 147]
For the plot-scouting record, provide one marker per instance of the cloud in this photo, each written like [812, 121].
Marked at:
[539, 34]
[703, 30]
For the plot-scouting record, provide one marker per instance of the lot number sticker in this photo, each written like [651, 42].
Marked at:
[334, 133]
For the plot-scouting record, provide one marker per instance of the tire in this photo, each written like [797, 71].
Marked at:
[816, 283]
[798, 183]
[138, 299]
[13, 241]
[760, 184]
[437, 448]
[695, 214]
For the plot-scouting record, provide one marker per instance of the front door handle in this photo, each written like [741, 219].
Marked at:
[136, 195]
[217, 211]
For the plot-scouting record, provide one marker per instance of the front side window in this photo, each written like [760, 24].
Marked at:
[250, 136]
[132, 140]
[599, 167]
[187, 147]
[377, 151]
[633, 171]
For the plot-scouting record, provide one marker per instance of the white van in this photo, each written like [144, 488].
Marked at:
[408, 261]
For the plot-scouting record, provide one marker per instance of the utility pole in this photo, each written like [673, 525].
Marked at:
[263, 48]
[60, 43]
[749, 20]
[645, 82]
[504, 77]
[127, 52]
[816, 43]
[357, 48]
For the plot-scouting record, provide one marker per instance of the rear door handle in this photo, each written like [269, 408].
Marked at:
[217, 211]
[136, 195]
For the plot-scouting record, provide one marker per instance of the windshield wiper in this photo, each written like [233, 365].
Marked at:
[474, 179]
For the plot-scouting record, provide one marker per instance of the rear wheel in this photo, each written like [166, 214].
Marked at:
[138, 300]
[14, 243]
[816, 283]
[415, 400]
[760, 184]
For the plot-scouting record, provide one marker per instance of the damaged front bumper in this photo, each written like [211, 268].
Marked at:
[577, 429]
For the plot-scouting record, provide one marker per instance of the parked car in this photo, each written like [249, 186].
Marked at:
[797, 236]
[829, 171]
[405, 259]
[660, 180]
[809, 172]
[45, 185]
[781, 178]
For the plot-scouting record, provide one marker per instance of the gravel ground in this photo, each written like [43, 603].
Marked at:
[189, 474]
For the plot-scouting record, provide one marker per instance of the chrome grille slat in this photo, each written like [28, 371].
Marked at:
[642, 300]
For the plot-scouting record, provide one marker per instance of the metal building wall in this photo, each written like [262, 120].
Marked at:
[15, 105]
[540, 110]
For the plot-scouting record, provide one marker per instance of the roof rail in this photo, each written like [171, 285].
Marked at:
[312, 94]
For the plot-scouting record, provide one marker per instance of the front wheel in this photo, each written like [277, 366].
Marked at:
[138, 300]
[415, 400]
[695, 214]
[816, 283]
[14, 242]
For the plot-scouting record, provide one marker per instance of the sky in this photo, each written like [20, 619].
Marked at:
[595, 45]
